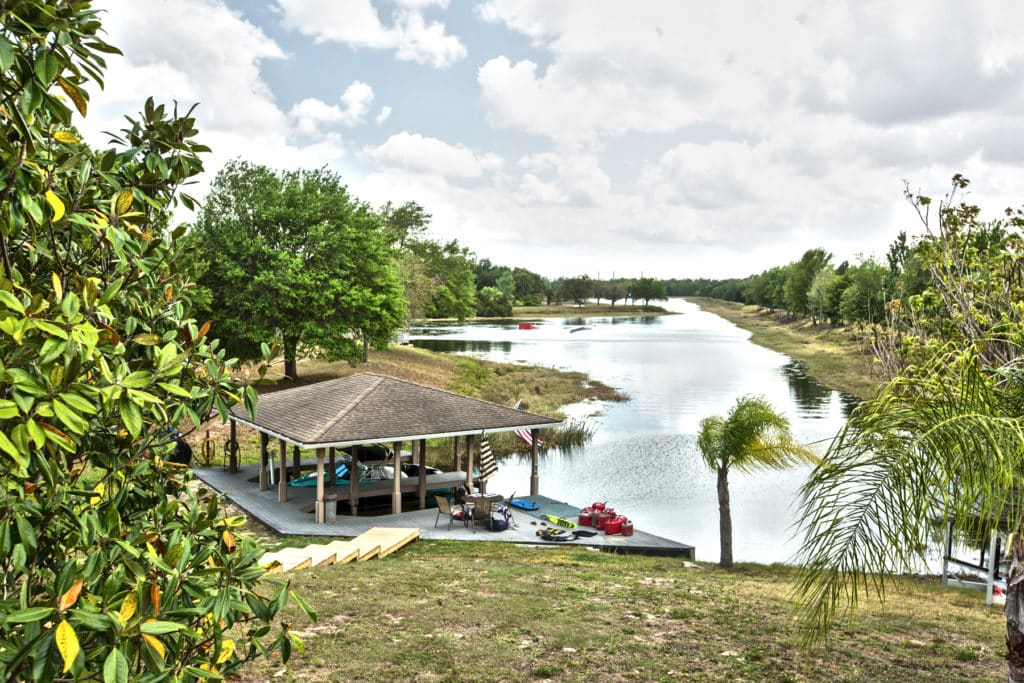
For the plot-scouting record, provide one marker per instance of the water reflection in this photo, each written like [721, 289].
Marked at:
[677, 370]
[463, 346]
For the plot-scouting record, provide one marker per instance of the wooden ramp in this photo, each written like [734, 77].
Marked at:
[377, 542]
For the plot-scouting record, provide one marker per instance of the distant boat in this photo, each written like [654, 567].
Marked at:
[578, 329]
[527, 326]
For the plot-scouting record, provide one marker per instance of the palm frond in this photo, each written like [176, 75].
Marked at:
[935, 445]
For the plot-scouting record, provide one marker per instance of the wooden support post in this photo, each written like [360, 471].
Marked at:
[332, 476]
[421, 455]
[534, 457]
[296, 462]
[321, 513]
[396, 491]
[264, 461]
[233, 449]
[469, 462]
[282, 475]
[456, 460]
[353, 481]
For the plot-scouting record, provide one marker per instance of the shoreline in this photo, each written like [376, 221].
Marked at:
[839, 358]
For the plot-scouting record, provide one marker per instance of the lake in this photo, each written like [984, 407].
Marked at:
[643, 459]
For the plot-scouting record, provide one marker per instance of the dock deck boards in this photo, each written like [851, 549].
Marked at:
[293, 518]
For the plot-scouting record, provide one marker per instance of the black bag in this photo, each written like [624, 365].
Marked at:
[182, 452]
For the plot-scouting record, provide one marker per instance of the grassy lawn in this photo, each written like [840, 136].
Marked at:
[838, 357]
[449, 611]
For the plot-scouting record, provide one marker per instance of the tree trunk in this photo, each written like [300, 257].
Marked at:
[291, 345]
[724, 517]
[1015, 615]
[366, 348]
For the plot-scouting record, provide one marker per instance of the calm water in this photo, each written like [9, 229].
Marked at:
[643, 459]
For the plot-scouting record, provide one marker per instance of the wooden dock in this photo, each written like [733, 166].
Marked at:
[295, 518]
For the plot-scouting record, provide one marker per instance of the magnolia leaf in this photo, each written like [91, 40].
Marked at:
[65, 136]
[155, 643]
[229, 540]
[124, 202]
[74, 94]
[156, 627]
[58, 288]
[29, 615]
[154, 596]
[115, 668]
[146, 339]
[227, 648]
[67, 644]
[56, 204]
[71, 595]
[128, 607]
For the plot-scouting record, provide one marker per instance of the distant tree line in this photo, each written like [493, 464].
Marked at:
[846, 293]
[293, 258]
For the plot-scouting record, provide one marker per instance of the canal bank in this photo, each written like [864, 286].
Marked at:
[838, 357]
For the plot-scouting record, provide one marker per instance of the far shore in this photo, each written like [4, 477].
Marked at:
[838, 357]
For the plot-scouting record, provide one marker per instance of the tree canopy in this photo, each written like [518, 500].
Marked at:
[291, 256]
[109, 560]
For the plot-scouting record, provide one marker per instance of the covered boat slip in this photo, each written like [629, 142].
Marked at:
[358, 411]
[295, 518]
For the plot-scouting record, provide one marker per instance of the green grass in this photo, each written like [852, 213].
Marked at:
[448, 611]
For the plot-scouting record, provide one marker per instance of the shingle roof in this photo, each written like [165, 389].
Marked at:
[369, 408]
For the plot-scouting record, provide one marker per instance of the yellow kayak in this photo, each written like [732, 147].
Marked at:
[560, 521]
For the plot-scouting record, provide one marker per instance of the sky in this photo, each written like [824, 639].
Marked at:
[665, 138]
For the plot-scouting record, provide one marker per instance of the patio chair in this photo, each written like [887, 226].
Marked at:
[481, 511]
[445, 508]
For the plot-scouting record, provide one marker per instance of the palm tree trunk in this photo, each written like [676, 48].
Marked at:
[1015, 615]
[724, 517]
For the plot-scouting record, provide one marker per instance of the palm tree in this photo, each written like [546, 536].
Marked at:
[944, 444]
[753, 436]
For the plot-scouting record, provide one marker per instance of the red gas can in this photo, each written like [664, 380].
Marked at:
[600, 519]
[586, 517]
[627, 528]
[597, 507]
[614, 526]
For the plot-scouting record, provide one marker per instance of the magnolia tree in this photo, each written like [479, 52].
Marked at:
[112, 567]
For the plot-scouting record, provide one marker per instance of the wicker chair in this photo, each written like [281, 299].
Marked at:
[446, 508]
[481, 512]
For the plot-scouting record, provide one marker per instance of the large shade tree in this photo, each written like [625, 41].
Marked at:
[112, 566]
[293, 257]
[752, 437]
[944, 438]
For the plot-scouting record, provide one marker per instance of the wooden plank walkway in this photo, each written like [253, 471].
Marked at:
[295, 518]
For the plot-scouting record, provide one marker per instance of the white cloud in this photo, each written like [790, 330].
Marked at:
[415, 153]
[357, 24]
[383, 115]
[571, 178]
[312, 116]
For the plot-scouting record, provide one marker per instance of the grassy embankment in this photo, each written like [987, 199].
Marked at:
[838, 357]
[449, 611]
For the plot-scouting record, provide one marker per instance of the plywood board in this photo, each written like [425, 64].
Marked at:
[388, 539]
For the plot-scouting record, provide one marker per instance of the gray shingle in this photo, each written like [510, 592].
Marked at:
[370, 408]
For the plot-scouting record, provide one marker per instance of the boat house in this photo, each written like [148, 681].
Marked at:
[360, 411]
